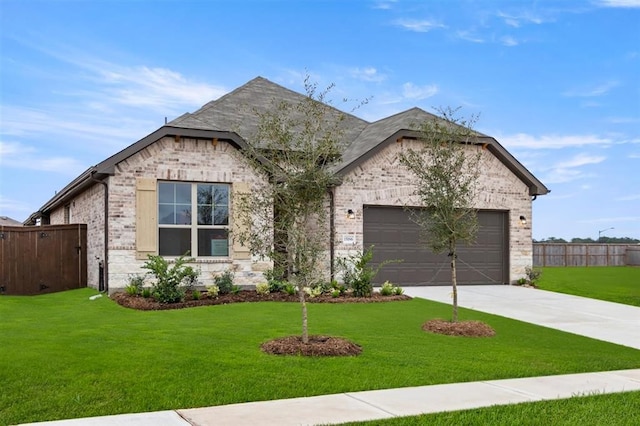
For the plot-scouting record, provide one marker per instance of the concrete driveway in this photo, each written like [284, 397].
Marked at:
[611, 322]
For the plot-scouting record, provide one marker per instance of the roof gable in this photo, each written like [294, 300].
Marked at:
[239, 111]
[235, 117]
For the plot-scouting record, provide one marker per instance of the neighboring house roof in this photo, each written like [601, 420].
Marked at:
[7, 221]
[234, 117]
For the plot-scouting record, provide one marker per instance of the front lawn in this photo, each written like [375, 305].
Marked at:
[617, 409]
[619, 284]
[64, 356]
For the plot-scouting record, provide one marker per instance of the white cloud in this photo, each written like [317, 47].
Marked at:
[384, 5]
[18, 156]
[411, 91]
[599, 90]
[516, 21]
[469, 36]
[523, 140]
[569, 170]
[155, 88]
[8, 204]
[619, 3]
[368, 74]
[421, 26]
[509, 41]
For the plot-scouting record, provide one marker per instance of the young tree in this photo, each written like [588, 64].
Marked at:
[286, 220]
[446, 168]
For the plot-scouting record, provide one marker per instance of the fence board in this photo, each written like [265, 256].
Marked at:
[569, 254]
[42, 259]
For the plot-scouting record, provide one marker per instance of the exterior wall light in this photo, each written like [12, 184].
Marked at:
[523, 220]
[351, 214]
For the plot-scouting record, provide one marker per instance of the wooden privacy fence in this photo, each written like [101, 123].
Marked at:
[555, 254]
[42, 259]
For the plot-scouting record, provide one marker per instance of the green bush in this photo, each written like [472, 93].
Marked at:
[213, 291]
[398, 291]
[146, 292]
[172, 282]
[224, 282]
[275, 279]
[262, 288]
[358, 274]
[289, 288]
[533, 274]
[136, 283]
[196, 295]
[386, 289]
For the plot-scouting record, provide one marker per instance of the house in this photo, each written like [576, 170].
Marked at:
[145, 199]
[7, 221]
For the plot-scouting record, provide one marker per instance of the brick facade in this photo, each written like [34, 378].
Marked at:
[188, 160]
[382, 180]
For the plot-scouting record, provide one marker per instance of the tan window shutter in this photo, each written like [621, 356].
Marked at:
[146, 218]
[239, 251]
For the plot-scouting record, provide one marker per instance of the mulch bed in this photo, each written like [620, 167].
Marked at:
[460, 328]
[317, 346]
[148, 304]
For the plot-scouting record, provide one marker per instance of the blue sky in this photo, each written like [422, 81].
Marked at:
[556, 82]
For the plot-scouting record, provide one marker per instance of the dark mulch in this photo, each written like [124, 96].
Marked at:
[148, 304]
[460, 328]
[317, 346]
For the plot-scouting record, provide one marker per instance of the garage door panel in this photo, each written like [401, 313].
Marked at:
[395, 236]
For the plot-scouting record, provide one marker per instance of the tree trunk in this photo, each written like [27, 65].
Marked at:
[303, 303]
[454, 283]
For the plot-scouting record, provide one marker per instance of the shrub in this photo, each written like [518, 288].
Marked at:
[386, 289]
[262, 288]
[136, 283]
[146, 292]
[235, 289]
[224, 282]
[171, 281]
[521, 281]
[289, 288]
[196, 295]
[398, 291]
[533, 274]
[335, 293]
[212, 291]
[358, 274]
[275, 279]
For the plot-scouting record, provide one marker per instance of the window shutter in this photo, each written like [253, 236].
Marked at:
[239, 251]
[146, 218]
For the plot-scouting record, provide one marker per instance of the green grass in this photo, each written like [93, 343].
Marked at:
[64, 356]
[619, 284]
[618, 409]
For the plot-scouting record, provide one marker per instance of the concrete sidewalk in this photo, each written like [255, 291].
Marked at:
[380, 404]
[608, 321]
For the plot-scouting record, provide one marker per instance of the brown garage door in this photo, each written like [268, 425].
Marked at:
[395, 236]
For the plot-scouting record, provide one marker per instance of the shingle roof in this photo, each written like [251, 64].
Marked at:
[7, 221]
[238, 111]
[233, 117]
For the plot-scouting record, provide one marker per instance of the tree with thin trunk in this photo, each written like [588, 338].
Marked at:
[286, 220]
[446, 167]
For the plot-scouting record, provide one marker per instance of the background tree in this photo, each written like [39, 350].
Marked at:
[286, 220]
[446, 168]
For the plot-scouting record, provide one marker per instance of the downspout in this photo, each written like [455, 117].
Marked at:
[106, 230]
[332, 229]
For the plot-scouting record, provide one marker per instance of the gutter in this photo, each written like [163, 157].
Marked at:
[332, 230]
[106, 230]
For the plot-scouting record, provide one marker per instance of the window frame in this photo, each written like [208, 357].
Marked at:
[194, 226]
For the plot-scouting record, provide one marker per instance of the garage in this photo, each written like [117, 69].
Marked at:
[395, 236]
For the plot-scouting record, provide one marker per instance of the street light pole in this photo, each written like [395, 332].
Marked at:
[604, 230]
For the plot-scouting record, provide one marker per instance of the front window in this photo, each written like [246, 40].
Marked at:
[194, 218]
